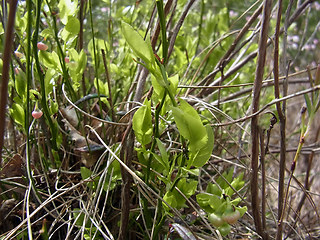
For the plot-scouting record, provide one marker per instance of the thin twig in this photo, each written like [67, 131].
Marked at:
[263, 185]
[178, 26]
[262, 49]
[315, 88]
[248, 58]
[282, 118]
[226, 58]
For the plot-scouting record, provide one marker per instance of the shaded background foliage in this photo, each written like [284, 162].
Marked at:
[59, 180]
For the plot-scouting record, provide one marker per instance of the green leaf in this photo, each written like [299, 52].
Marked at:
[174, 81]
[48, 80]
[242, 210]
[82, 62]
[224, 229]
[67, 8]
[188, 188]
[214, 189]
[17, 113]
[228, 176]
[237, 183]
[159, 165]
[175, 199]
[46, 59]
[74, 56]
[85, 173]
[203, 155]
[137, 44]
[116, 176]
[142, 123]
[209, 202]
[47, 32]
[236, 201]
[163, 153]
[73, 25]
[21, 84]
[170, 198]
[159, 86]
[103, 87]
[100, 44]
[190, 126]
[54, 108]
[308, 103]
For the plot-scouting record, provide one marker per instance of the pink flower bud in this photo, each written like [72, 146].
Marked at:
[41, 46]
[37, 114]
[16, 71]
[18, 54]
[66, 59]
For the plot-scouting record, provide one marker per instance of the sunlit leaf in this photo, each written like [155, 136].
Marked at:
[73, 25]
[308, 103]
[209, 202]
[85, 173]
[203, 155]
[46, 59]
[21, 85]
[213, 189]
[82, 62]
[164, 154]
[67, 8]
[142, 123]
[48, 80]
[17, 113]
[190, 126]
[137, 44]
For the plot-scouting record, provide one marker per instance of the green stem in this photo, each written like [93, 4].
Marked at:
[41, 77]
[167, 83]
[28, 76]
[96, 64]
[28, 68]
[156, 135]
[303, 135]
[163, 31]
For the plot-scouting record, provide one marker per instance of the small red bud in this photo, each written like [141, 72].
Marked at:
[18, 54]
[16, 71]
[66, 59]
[37, 114]
[41, 46]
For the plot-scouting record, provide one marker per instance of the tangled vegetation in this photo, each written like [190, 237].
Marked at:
[159, 119]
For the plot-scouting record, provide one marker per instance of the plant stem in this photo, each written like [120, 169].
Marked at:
[96, 63]
[66, 78]
[200, 25]
[109, 84]
[263, 185]
[177, 27]
[156, 135]
[303, 135]
[282, 120]
[163, 31]
[5, 71]
[44, 105]
[254, 120]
